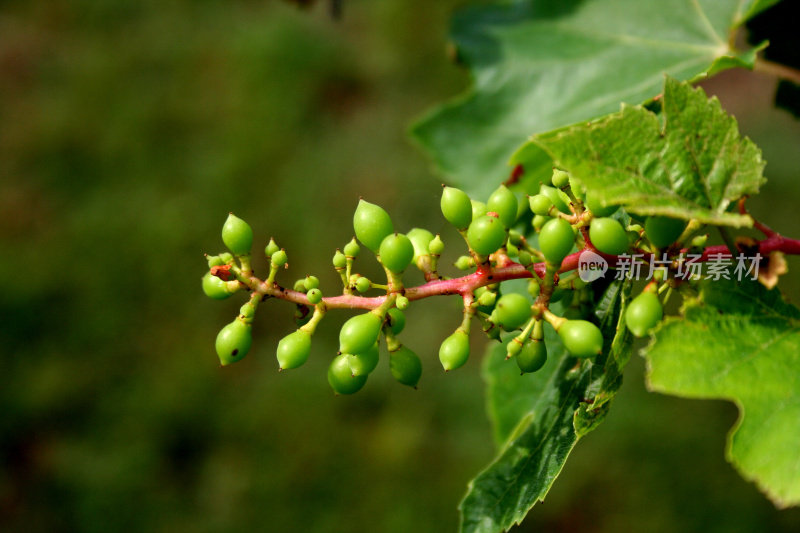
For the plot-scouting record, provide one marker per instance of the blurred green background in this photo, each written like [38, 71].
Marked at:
[128, 131]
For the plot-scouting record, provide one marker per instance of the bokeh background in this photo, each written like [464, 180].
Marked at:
[128, 131]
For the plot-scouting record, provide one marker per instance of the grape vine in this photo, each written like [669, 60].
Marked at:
[594, 199]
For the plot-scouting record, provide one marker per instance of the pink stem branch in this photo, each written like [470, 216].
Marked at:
[487, 275]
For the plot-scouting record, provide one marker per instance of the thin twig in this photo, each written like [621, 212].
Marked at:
[777, 69]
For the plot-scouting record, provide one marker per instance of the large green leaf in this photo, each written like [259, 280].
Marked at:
[547, 414]
[741, 342]
[688, 162]
[539, 65]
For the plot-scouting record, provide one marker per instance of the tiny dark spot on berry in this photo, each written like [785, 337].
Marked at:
[234, 352]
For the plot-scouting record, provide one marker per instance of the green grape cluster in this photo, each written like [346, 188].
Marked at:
[498, 234]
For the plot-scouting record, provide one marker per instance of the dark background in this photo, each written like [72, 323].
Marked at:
[128, 131]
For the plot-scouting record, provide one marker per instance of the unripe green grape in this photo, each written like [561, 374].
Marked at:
[539, 221]
[339, 260]
[293, 349]
[608, 236]
[556, 239]
[644, 313]
[371, 224]
[534, 288]
[486, 235]
[214, 260]
[341, 378]
[512, 311]
[233, 342]
[597, 208]
[515, 237]
[271, 248]
[359, 333]
[560, 178]
[478, 209]
[436, 246]
[533, 356]
[456, 207]
[581, 338]
[237, 235]
[420, 239]
[511, 250]
[454, 351]
[279, 258]
[362, 364]
[662, 231]
[481, 298]
[525, 258]
[396, 320]
[226, 257]
[396, 252]
[311, 282]
[363, 284]
[504, 203]
[401, 303]
[215, 288]
[540, 204]
[352, 249]
[314, 296]
[487, 299]
[406, 366]
[464, 262]
[557, 196]
[300, 285]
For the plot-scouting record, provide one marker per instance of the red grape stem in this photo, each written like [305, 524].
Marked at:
[486, 274]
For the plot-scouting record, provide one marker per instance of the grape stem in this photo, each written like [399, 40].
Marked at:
[486, 274]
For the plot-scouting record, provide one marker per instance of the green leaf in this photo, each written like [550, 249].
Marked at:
[540, 65]
[549, 411]
[746, 59]
[688, 162]
[740, 342]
